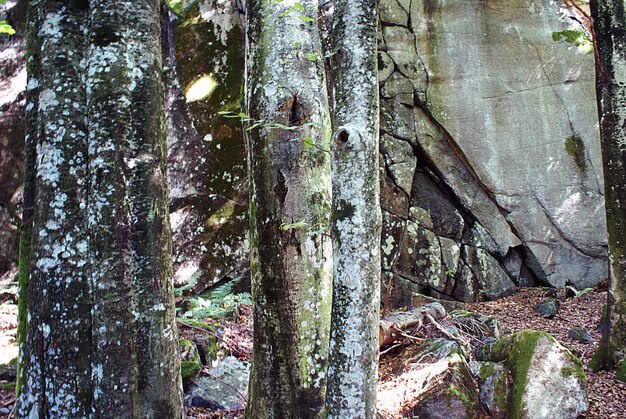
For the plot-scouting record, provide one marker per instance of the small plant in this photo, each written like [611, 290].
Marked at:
[578, 37]
[450, 273]
[5, 28]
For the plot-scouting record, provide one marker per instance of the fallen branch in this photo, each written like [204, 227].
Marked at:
[390, 327]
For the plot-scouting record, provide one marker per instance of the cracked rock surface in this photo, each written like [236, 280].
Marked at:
[502, 125]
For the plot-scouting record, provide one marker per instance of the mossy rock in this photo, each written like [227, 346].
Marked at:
[8, 370]
[190, 364]
[495, 391]
[549, 381]
[455, 397]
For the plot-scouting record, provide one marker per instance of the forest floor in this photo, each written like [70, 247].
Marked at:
[607, 396]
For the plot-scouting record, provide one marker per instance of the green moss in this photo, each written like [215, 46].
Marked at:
[599, 358]
[22, 302]
[461, 386]
[575, 147]
[517, 350]
[189, 368]
[575, 371]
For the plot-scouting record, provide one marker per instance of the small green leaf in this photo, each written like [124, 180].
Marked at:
[308, 142]
[225, 113]
[251, 127]
[330, 54]
[293, 226]
[6, 28]
[312, 57]
[306, 18]
[283, 14]
[299, 7]
[297, 44]
[243, 115]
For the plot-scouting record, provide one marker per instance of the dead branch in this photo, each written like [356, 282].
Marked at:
[390, 326]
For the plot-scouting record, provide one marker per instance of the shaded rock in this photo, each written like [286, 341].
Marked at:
[432, 208]
[495, 392]
[197, 401]
[385, 66]
[392, 198]
[548, 309]
[440, 149]
[391, 239]
[399, 160]
[549, 381]
[398, 87]
[206, 158]
[397, 119]
[493, 281]
[420, 258]
[392, 13]
[451, 261]
[226, 384]
[466, 288]
[580, 334]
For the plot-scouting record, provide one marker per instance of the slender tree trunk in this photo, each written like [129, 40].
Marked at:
[55, 373]
[610, 35]
[352, 373]
[101, 338]
[290, 193]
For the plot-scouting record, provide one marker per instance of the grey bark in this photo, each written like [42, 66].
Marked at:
[101, 335]
[290, 190]
[610, 36]
[352, 372]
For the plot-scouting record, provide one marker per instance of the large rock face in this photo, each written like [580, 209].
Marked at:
[203, 55]
[492, 174]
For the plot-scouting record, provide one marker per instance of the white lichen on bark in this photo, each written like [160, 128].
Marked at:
[101, 335]
[352, 373]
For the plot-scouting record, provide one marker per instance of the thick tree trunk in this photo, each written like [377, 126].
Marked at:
[290, 197]
[352, 373]
[101, 335]
[55, 372]
[610, 35]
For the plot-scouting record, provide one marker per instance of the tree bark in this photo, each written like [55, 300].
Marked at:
[352, 373]
[610, 35]
[290, 197]
[101, 335]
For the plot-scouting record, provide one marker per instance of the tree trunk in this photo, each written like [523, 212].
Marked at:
[352, 373]
[101, 335]
[610, 36]
[290, 196]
